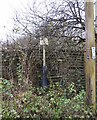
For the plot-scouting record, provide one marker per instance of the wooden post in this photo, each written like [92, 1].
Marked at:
[96, 16]
[90, 55]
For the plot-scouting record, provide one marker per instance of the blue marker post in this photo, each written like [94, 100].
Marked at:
[44, 82]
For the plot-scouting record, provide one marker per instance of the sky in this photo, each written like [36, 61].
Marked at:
[7, 12]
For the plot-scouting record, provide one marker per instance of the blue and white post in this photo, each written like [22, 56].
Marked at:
[44, 82]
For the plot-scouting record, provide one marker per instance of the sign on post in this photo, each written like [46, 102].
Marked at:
[44, 82]
[90, 61]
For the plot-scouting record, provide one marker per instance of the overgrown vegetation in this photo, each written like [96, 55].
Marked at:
[52, 103]
[63, 24]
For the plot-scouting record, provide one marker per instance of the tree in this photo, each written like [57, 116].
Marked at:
[63, 23]
[64, 19]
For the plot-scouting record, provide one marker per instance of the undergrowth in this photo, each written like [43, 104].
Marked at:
[54, 102]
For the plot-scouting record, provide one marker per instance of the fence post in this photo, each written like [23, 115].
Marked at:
[90, 55]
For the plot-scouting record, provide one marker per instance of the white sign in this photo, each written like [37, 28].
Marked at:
[93, 53]
[44, 41]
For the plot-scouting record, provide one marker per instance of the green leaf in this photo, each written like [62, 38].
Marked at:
[26, 110]
[1, 86]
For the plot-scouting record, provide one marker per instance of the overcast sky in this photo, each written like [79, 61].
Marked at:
[7, 13]
[7, 8]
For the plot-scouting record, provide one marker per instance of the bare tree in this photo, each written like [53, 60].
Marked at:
[64, 19]
[63, 23]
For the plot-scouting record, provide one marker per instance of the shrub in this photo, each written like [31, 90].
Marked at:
[51, 103]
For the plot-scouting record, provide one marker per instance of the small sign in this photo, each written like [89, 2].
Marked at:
[93, 53]
[44, 41]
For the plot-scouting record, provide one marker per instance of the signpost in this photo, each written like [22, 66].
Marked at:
[44, 82]
[90, 55]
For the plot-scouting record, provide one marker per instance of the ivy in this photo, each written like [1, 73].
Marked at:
[46, 103]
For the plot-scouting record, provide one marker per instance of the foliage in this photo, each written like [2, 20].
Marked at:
[64, 25]
[51, 103]
[6, 88]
